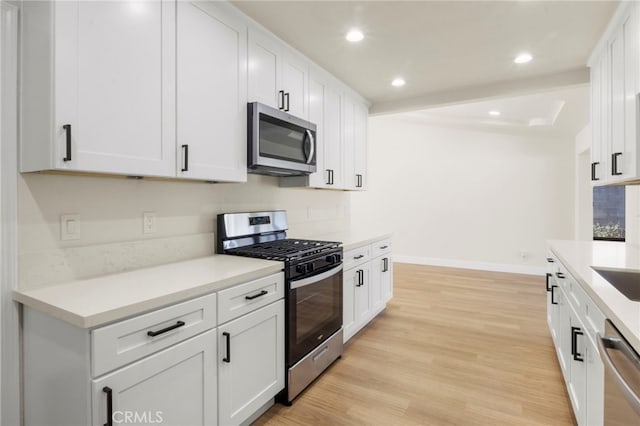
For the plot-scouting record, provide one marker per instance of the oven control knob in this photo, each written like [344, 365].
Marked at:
[301, 269]
[309, 267]
[331, 258]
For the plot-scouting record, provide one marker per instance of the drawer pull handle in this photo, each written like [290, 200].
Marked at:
[560, 275]
[228, 357]
[165, 330]
[109, 393]
[360, 256]
[384, 247]
[255, 296]
[550, 260]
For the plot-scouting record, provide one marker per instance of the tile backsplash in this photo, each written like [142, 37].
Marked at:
[111, 221]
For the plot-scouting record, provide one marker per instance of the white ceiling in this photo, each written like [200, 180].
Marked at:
[562, 112]
[448, 51]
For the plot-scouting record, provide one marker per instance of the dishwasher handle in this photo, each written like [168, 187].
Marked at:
[618, 344]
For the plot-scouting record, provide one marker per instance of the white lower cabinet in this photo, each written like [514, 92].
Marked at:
[174, 387]
[250, 362]
[170, 366]
[367, 285]
[574, 321]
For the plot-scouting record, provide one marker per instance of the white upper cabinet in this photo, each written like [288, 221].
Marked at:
[333, 138]
[277, 76]
[599, 122]
[615, 71]
[361, 119]
[98, 88]
[325, 106]
[211, 92]
[354, 131]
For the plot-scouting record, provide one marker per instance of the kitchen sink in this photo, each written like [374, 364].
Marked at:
[626, 282]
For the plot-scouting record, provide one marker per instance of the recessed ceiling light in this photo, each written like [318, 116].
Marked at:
[398, 82]
[354, 35]
[523, 58]
[494, 113]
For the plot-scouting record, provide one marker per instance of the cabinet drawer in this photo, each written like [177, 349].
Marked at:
[356, 256]
[552, 263]
[381, 247]
[244, 298]
[126, 341]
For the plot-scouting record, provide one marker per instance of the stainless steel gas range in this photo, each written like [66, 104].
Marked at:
[313, 292]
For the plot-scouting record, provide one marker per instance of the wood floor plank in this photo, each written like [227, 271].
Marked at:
[454, 347]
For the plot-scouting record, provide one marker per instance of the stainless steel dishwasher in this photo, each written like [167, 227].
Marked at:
[621, 378]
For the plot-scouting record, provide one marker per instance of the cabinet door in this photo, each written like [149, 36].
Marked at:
[349, 321]
[320, 178]
[295, 81]
[264, 78]
[626, 163]
[174, 387]
[623, 51]
[348, 134]
[250, 362]
[211, 93]
[364, 302]
[577, 366]
[595, 384]
[600, 107]
[617, 83]
[378, 269]
[387, 278]
[115, 87]
[333, 137]
[361, 118]
[562, 329]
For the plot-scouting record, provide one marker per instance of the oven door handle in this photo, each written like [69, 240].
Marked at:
[617, 344]
[314, 279]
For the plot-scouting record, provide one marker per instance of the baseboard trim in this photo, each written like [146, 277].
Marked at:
[464, 264]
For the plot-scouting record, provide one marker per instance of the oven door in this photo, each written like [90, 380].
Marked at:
[314, 311]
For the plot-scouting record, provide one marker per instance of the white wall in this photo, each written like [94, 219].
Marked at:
[111, 221]
[467, 198]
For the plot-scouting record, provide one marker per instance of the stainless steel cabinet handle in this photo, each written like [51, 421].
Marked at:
[629, 394]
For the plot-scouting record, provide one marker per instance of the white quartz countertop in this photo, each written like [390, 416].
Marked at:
[352, 238]
[579, 256]
[97, 301]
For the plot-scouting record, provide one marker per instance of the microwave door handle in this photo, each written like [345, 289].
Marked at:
[312, 144]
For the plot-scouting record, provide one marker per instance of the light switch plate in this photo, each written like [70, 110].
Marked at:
[69, 227]
[148, 222]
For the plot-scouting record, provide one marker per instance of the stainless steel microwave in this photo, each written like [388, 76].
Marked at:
[279, 143]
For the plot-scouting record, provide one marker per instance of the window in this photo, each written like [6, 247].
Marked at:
[608, 213]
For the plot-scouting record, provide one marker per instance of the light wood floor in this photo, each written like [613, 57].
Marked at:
[454, 347]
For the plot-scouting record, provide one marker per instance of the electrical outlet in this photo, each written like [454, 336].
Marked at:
[148, 222]
[69, 227]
